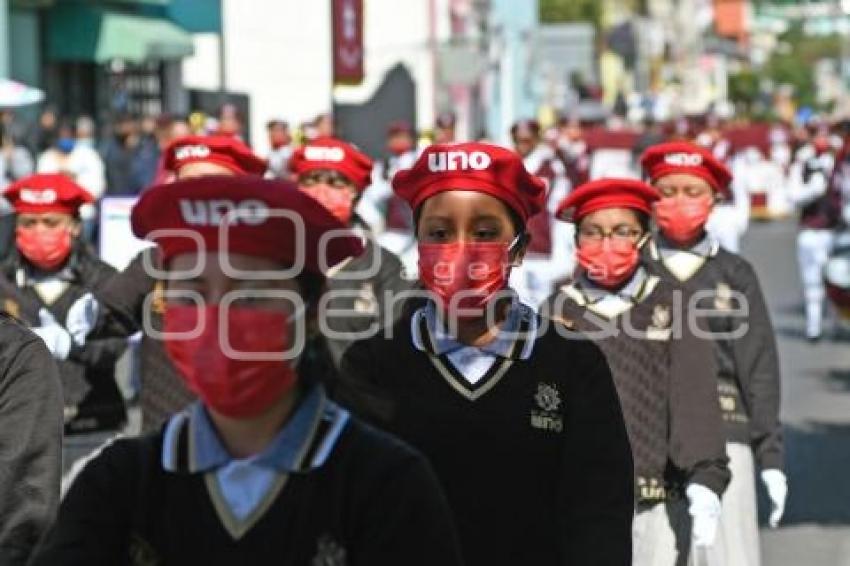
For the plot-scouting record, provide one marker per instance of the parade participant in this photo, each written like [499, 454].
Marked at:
[49, 269]
[263, 469]
[361, 288]
[809, 179]
[549, 256]
[690, 180]
[444, 128]
[522, 426]
[280, 149]
[665, 376]
[131, 295]
[30, 440]
[387, 214]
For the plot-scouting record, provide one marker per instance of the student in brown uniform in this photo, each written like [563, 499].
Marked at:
[665, 376]
[47, 272]
[691, 181]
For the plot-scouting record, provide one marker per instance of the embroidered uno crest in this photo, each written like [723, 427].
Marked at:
[723, 297]
[141, 553]
[548, 401]
[158, 301]
[659, 328]
[366, 302]
[329, 553]
[12, 308]
[548, 398]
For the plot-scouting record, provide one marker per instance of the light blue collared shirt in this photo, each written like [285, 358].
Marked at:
[628, 292]
[245, 482]
[704, 248]
[473, 362]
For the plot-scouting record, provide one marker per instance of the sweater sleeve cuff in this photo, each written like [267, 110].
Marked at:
[715, 477]
[770, 461]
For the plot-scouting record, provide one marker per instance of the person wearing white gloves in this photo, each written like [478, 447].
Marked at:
[551, 252]
[665, 380]
[44, 276]
[809, 180]
[730, 312]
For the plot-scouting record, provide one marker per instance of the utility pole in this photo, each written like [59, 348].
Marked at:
[4, 38]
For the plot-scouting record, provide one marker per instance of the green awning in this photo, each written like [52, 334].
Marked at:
[79, 32]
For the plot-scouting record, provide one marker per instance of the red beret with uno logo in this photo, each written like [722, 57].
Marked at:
[246, 215]
[335, 155]
[226, 151]
[47, 193]
[689, 159]
[472, 166]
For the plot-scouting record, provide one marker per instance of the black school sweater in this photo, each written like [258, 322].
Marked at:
[30, 441]
[745, 348]
[92, 399]
[534, 459]
[374, 502]
[666, 380]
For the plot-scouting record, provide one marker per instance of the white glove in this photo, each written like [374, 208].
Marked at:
[81, 318]
[705, 511]
[56, 338]
[777, 489]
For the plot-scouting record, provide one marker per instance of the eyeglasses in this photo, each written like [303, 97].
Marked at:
[618, 233]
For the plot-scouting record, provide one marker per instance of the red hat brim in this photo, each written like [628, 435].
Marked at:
[274, 213]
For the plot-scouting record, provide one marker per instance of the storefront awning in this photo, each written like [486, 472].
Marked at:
[78, 32]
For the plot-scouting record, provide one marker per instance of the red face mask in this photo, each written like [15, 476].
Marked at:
[233, 387]
[45, 249]
[608, 262]
[337, 201]
[682, 220]
[477, 269]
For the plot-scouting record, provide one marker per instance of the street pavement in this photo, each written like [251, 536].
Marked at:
[815, 413]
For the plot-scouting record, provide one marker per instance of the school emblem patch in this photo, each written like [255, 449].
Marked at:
[366, 302]
[659, 328]
[723, 297]
[546, 416]
[12, 308]
[329, 553]
[547, 397]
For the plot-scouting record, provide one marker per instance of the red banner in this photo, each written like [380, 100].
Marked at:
[348, 41]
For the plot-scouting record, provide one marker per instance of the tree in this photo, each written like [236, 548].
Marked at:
[560, 11]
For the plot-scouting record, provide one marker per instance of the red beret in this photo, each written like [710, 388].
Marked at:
[689, 159]
[607, 193]
[472, 166]
[226, 151]
[253, 207]
[336, 155]
[47, 193]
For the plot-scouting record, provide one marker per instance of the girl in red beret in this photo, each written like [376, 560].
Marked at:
[49, 270]
[664, 375]
[118, 306]
[522, 425]
[336, 174]
[725, 286]
[263, 468]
